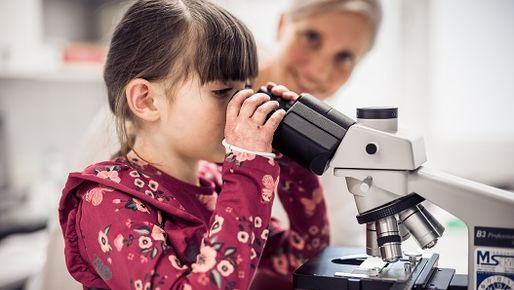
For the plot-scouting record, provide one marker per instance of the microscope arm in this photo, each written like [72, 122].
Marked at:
[483, 208]
[472, 202]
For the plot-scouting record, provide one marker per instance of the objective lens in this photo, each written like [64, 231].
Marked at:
[371, 240]
[432, 220]
[404, 232]
[388, 239]
[422, 225]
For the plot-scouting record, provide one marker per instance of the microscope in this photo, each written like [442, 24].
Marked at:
[382, 167]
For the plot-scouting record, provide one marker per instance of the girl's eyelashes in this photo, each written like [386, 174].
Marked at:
[224, 93]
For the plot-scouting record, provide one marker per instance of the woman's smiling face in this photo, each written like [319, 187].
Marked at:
[318, 53]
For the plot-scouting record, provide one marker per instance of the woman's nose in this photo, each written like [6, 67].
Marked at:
[317, 72]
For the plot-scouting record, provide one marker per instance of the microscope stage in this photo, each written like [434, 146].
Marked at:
[349, 268]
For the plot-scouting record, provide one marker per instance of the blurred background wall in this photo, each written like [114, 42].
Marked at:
[447, 65]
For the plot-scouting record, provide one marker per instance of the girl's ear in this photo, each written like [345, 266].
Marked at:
[142, 99]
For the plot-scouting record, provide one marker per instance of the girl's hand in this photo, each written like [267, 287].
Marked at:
[246, 126]
[282, 91]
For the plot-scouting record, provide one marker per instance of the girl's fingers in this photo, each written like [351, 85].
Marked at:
[234, 106]
[284, 92]
[250, 104]
[290, 96]
[275, 119]
[270, 85]
[279, 90]
[263, 111]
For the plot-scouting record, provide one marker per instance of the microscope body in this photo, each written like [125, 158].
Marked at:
[389, 184]
[383, 168]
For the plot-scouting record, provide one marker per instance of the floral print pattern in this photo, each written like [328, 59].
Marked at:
[96, 195]
[103, 240]
[144, 232]
[175, 262]
[301, 195]
[225, 268]
[217, 225]
[269, 187]
[309, 204]
[109, 173]
[205, 260]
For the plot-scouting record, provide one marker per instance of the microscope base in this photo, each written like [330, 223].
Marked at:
[336, 268]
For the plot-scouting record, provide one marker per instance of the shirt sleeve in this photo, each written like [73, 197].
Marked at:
[132, 245]
[301, 194]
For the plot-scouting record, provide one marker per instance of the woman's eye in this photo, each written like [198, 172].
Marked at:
[344, 57]
[223, 93]
[312, 37]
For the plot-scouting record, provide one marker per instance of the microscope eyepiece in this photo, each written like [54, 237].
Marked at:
[380, 118]
[377, 113]
[310, 132]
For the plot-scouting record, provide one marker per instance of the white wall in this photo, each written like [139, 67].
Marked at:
[473, 69]
[472, 81]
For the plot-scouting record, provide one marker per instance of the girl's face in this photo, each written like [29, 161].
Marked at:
[318, 53]
[194, 121]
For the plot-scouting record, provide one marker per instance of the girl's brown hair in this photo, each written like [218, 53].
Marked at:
[171, 40]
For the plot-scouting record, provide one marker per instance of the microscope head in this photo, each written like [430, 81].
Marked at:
[376, 174]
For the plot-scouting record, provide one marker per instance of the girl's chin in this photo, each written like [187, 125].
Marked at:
[218, 157]
[219, 160]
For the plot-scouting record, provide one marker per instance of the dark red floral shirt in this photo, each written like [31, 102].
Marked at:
[130, 226]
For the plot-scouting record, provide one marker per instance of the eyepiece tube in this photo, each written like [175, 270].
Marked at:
[310, 132]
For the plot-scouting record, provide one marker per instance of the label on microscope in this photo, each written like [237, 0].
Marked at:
[494, 258]
[494, 237]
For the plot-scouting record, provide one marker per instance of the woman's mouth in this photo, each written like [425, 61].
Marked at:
[298, 83]
[301, 86]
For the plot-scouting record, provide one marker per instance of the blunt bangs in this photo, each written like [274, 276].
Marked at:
[225, 48]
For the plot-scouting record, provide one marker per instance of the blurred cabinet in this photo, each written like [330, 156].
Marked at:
[34, 33]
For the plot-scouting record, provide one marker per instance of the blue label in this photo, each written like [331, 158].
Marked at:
[494, 268]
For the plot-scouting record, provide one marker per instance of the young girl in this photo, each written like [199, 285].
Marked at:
[156, 216]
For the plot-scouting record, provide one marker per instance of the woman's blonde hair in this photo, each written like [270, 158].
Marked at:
[371, 9]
